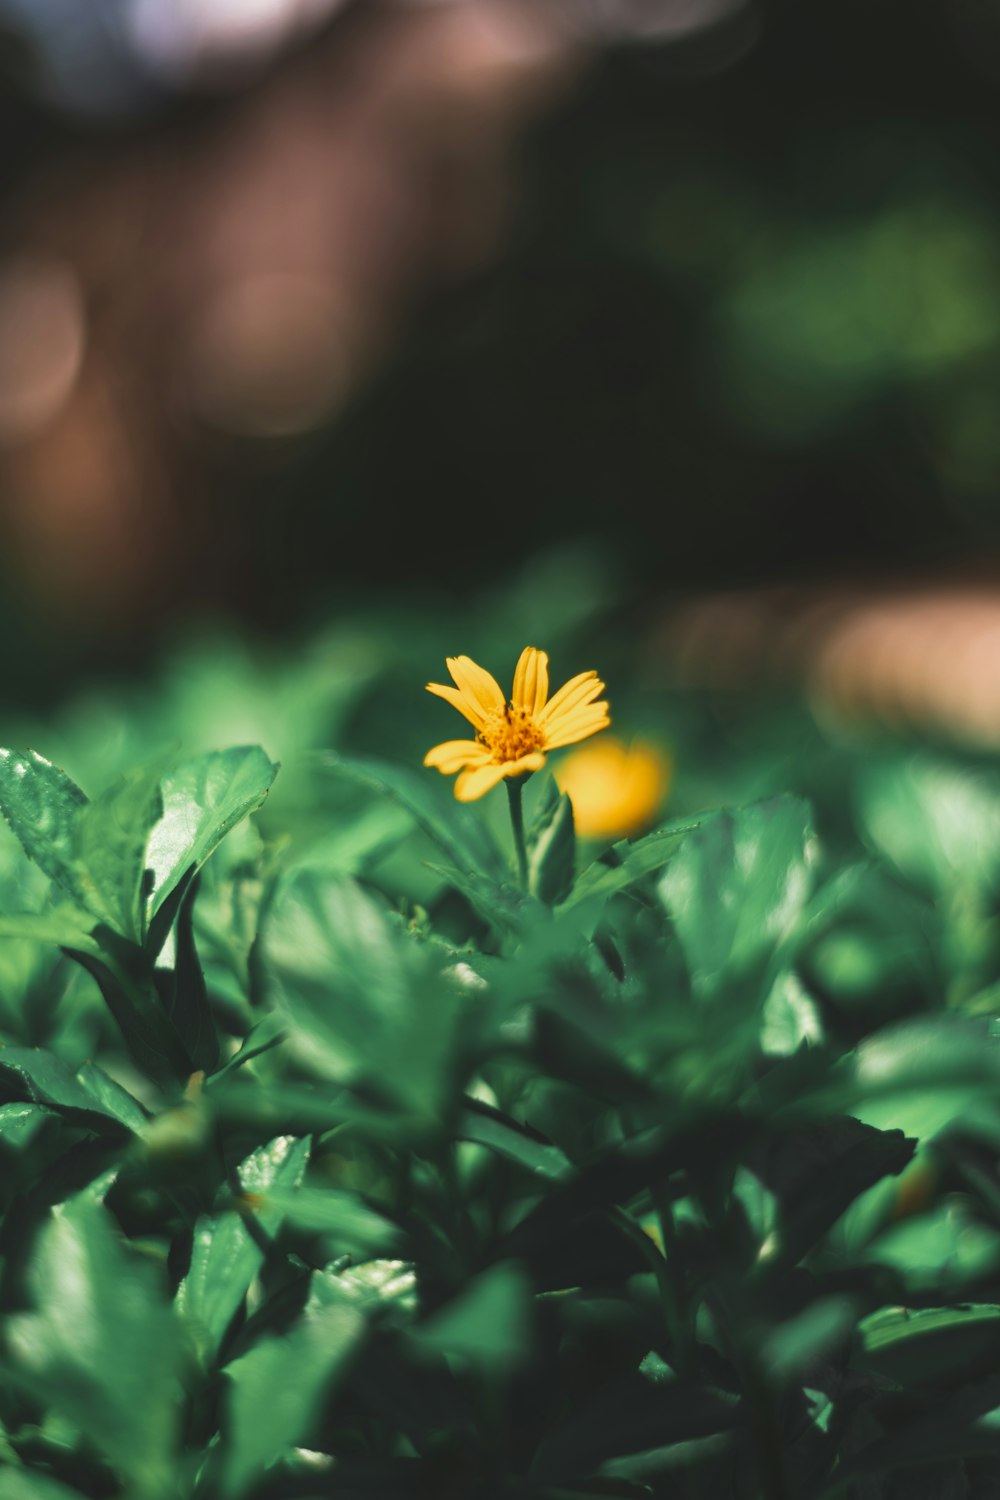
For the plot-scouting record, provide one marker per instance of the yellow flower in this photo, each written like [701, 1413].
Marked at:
[616, 789]
[513, 737]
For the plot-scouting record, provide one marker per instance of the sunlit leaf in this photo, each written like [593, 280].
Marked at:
[939, 824]
[88, 1095]
[790, 1019]
[365, 1003]
[628, 862]
[276, 1390]
[229, 1246]
[737, 886]
[110, 836]
[42, 804]
[490, 1128]
[20, 1123]
[202, 800]
[348, 1222]
[101, 1346]
[944, 1249]
[920, 1074]
[552, 854]
[930, 1345]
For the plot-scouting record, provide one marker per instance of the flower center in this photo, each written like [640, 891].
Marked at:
[511, 733]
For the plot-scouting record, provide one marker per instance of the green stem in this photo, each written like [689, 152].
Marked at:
[514, 784]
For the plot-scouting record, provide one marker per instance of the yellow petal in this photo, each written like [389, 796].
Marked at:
[452, 755]
[475, 782]
[478, 688]
[531, 680]
[555, 724]
[572, 716]
[578, 726]
[524, 763]
[579, 690]
[455, 698]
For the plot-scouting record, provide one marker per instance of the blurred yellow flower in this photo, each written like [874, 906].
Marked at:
[616, 789]
[513, 736]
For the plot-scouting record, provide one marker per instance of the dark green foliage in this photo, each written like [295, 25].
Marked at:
[336, 1164]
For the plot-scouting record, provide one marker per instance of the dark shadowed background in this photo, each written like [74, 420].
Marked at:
[303, 302]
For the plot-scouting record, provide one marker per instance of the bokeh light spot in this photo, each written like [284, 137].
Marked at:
[42, 341]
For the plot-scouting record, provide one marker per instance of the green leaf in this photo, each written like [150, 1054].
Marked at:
[964, 1424]
[276, 1391]
[89, 1096]
[930, 1346]
[102, 1347]
[937, 823]
[366, 1003]
[20, 1123]
[116, 1101]
[583, 1056]
[816, 1174]
[504, 907]
[542, 794]
[737, 888]
[19, 1484]
[268, 1032]
[67, 926]
[489, 1127]
[385, 1289]
[349, 1222]
[303, 1106]
[32, 975]
[127, 986]
[809, 1340]
[225, 1256]
[460, 835]
[110, 836]
[918, 1075]
[632, 1415]
[626, 863]
[871, 943]
[943, 1250]
[790, 1018]
[487, 1325]
[552, 854]
[350, 847]
[202, 800]
[41, 804]
[646, 1467]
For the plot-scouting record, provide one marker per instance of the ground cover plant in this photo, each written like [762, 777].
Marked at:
[354, 1142]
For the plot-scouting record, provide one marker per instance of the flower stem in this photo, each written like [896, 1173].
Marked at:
[513, 784]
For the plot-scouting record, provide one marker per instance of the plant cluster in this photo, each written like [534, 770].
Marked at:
[344, 1153]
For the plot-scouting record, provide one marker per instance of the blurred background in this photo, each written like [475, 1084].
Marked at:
[689, 308]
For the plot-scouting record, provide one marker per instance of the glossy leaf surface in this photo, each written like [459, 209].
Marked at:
[230, 1246]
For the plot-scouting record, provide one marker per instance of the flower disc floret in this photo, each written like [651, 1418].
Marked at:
[513, 735]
